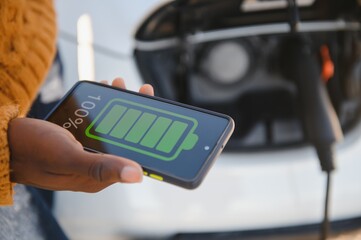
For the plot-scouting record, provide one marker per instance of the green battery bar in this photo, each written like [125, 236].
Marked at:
[146, 130]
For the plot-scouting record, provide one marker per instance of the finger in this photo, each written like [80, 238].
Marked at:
[104, 82]
[119, 82]
[111, 169]
[147, 89]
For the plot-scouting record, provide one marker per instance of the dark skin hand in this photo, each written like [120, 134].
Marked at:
[47, 156]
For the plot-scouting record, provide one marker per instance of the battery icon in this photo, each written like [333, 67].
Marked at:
[143, 129]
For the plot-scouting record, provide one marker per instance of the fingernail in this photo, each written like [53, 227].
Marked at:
[131, 174]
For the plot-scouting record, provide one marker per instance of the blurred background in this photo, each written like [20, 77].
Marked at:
[252, 60]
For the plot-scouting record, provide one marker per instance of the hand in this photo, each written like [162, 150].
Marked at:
[47, 156]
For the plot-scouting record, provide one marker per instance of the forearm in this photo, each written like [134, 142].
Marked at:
[27, 49]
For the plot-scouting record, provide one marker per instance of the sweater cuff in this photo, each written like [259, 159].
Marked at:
[7, 113]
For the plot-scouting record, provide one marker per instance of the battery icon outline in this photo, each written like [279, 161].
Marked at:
[179, 124]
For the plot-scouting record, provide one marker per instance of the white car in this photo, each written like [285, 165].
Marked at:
[250, 191]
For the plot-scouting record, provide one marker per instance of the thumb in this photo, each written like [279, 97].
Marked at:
[108, 168]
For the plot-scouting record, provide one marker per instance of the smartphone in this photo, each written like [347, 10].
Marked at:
[173, 142]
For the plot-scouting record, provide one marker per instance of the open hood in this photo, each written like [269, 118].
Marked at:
[225, 56]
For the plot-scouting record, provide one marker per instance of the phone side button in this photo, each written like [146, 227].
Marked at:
[160, 178]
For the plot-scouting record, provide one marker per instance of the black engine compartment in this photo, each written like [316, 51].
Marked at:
[239, 74]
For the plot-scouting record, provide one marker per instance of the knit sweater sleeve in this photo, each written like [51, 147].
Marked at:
[27, 48]
[6, 187]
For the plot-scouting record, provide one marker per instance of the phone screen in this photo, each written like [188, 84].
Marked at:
[172, 139]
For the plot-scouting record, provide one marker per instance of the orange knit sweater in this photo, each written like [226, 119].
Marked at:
[27, 47]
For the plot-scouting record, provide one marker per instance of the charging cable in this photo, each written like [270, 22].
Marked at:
[322, 127]
[294, 19]
[320, 121]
